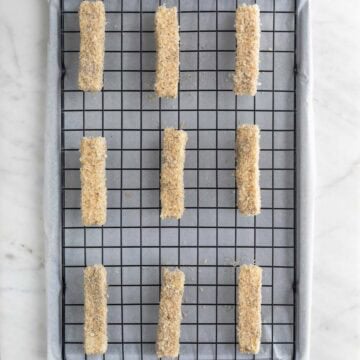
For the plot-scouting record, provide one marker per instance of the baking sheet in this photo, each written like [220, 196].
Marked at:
[225, 143]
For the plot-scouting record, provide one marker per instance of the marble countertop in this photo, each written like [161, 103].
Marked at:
[335, 327]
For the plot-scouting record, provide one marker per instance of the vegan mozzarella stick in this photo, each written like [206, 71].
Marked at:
[247, 26]
[249, 308]
[172, 174]
[168, 331]
[95, 310]
[92, 39]
[93, 180]
[247, 169]
[167, 52]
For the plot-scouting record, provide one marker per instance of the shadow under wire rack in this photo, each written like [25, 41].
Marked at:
[211, 239]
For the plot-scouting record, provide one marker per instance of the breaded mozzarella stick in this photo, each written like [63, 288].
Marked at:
[167, 52]
[172, 174]
[168, 331]
[247, 26]
[95, 310]
[93, 180]
[247, 169]
[249, 308]
[92, 45]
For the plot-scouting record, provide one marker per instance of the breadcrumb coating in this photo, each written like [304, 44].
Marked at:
[95, 310]
[249, 308]
[247, 169]
[172, 174]
[168, 331]
[167, 52]
[247, 26]
[93, 180]
[92, 45]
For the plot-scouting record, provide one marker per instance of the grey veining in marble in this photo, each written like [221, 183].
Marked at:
[336, 288]
[23, 37]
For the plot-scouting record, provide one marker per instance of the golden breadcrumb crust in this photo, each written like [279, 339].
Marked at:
[249, 308]
[247, 26]
[92, 45]
[172, 173]
[167, 52]
[247, 169]
[93, 180]
[168, 331]
[95, 310]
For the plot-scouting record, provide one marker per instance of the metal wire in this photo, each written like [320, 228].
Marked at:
[212, 239]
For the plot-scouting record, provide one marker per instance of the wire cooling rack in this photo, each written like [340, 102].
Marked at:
[212, 238]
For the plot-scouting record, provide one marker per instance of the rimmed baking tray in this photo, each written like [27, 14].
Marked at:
[212, 239]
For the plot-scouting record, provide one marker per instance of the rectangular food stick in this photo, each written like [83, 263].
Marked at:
[247, 169]
[167, 52]
[95, 310]
[247, 26]
[93, 180]
[92, 45]
[168, 331]
[249, 308]
[172, 174]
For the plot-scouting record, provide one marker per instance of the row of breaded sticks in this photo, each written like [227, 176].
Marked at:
[169, 320]
[93, 175]
[92, 48]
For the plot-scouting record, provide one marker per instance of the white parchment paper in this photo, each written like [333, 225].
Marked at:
[52, 213]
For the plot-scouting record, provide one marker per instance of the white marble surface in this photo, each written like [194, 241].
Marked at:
[336, 289]
[336, 292]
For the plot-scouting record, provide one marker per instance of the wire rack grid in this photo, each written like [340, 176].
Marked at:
[211, 239]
